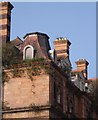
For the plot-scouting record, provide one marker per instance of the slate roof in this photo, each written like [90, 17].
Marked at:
[17, 41]
[38, 33]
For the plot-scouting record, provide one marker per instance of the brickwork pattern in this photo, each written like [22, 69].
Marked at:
[5, 19]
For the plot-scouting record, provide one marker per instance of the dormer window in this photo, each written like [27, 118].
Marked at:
[28, 52]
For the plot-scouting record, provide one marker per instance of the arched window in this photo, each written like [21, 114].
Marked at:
[28, 52]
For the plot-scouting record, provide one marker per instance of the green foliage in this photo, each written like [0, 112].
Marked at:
[16, 72]
[5, 77]
[36, 65]
[38, 59]
[33, 67]
[10, 55]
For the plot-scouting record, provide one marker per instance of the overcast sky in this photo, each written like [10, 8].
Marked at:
[74, 20]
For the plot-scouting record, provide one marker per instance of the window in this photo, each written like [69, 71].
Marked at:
[57, 93]
[70, 105]
[88, 111]
[28, 52]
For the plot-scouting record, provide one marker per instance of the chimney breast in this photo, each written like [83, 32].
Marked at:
[61, 46]
[82, 65]
[5, 19]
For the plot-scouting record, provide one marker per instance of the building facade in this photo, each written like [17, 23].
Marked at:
[47, 88]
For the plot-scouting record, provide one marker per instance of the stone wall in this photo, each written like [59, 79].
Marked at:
[24, 93]
[29, 115]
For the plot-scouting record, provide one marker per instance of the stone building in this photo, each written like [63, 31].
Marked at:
[47, 87]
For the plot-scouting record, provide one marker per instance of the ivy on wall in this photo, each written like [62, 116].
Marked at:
[32, 67]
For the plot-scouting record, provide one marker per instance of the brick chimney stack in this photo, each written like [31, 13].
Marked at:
[82, 65]
[61, 46]
[5, 19]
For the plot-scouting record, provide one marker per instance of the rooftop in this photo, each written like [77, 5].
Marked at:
[17, 41]
[38, 33]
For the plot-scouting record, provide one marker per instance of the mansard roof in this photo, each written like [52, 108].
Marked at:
[38, 33]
